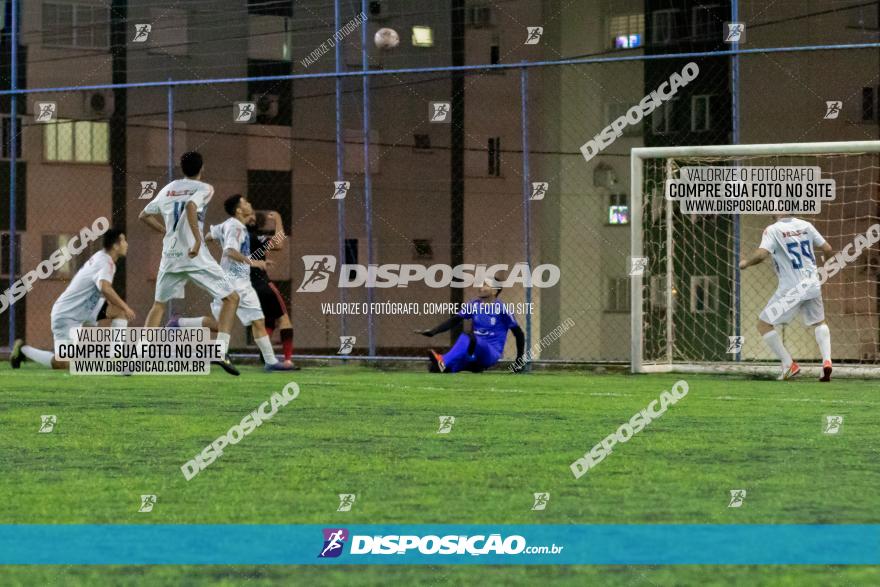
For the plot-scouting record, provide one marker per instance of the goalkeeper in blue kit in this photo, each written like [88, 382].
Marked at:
[482, 345]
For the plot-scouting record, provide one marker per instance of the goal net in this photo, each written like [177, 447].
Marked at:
[692, 300]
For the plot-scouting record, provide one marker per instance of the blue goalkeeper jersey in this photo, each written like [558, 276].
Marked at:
[491, 322]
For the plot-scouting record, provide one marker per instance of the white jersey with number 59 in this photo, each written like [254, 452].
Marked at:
[171, 203]
[792, 243]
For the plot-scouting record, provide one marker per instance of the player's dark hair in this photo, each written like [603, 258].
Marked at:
[191, 163]
[231, 203]
[111, 237]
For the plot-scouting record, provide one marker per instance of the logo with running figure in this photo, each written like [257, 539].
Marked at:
[318, 269]
[346, 500]
[47, 423]
[832, 425]
[539, 190]
[141, 33]
[533, 34]
[446, 423]
[346, 344]
[541, 500]
[45, 112]
[737, 497]
[334, 540]
[340, 189]
[735, 344]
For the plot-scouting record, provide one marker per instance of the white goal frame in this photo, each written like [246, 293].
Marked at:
[638, 156]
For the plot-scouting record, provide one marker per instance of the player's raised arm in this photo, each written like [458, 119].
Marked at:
[442, 327]
[273, 243]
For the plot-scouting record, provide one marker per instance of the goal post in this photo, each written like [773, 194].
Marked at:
[691, 297]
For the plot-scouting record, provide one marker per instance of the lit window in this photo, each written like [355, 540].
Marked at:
[618, 209]
[626, 30]
[627, 41]
[80, 141]
[422, 36]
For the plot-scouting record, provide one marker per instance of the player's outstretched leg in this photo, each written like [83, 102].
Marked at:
[823, 339]
[200, 322]
[20, 351]
[774, 341]
[457, 359]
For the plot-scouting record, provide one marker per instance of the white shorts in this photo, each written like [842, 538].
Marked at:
[249, 308]
[812, 311]
[61, 323]
[170, 284]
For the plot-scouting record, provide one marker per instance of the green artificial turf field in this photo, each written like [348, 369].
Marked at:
[374, 434]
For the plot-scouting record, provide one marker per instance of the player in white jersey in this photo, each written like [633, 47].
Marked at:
[181, 206]
[790, 243]
[236, 263]
[89, 297]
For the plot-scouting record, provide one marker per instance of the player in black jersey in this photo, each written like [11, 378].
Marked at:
[271, 300]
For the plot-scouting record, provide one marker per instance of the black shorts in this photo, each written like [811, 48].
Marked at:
[102, 313]
[271, 302]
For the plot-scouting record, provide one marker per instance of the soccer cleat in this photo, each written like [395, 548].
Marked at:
[173, 323]
[286, 366]
[227, 366]
[792, 371]
[437, 364]
[15, 357]
[826, 371]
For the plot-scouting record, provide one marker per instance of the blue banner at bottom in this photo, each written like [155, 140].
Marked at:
[433, 544]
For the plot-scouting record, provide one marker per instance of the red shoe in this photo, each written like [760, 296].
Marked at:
[437, 363]
[792, 371]
[826, 371]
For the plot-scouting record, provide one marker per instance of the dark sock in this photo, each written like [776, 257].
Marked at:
[287, 342]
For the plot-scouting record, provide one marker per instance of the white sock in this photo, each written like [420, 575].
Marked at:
[224, 338]
[44, 358]
[193, 323]
[775, 343]
[823, 338]
[265, 346]
[119, 323]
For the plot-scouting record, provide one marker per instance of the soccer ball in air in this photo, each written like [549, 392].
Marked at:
[386, 39]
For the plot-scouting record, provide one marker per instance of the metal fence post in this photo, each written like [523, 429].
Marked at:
[340, 158]
[368, 182]
[13, 147]
[527, 192]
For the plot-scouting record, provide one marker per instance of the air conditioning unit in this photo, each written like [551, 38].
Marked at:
[267, 105]
[479, 16]
[98, 104]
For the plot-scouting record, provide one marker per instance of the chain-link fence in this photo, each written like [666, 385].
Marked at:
[475, 127]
